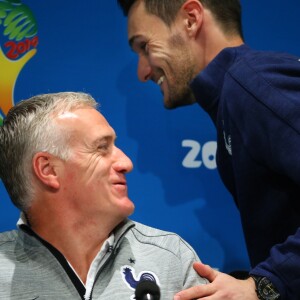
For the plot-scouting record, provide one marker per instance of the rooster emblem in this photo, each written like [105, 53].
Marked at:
[128, 274]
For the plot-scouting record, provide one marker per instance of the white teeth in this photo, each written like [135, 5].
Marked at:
[161, 80]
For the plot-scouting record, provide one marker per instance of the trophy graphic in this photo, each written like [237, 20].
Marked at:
[18, 43]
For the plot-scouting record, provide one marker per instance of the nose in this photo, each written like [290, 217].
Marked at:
[122, 162]
[144, 70]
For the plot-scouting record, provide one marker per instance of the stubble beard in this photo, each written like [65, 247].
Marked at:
[179, 96]
[183, 70]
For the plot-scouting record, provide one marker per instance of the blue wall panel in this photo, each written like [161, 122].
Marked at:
[83, 47]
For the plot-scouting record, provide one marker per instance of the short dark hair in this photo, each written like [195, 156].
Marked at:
[228, 13]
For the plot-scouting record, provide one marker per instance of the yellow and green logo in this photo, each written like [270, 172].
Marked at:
[18, 43]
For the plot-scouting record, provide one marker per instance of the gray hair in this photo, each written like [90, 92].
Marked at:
[29, 128]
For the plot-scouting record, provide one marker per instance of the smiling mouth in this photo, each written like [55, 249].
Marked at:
[120, 183]
[161, 80]
[121, 189]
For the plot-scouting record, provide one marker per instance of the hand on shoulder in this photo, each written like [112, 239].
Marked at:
[222, 286]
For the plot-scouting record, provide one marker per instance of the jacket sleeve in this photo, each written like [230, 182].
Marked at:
[272, 124]
[188, 256]
[283, 267]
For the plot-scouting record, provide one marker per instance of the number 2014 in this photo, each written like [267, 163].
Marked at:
[207, 153]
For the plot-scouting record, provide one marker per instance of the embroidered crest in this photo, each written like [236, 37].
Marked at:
[227, 140]
[227, 143]
[131, 280]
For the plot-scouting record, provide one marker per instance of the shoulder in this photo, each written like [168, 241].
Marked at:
[8, 238]
[151, 232]
[8, 241]
[260, 58]
[170, 241]
[268, 69]
[265, 85]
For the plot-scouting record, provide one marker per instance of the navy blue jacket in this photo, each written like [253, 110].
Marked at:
[254, 100]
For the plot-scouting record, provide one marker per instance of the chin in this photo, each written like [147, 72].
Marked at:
[131, 210]
[169, 103]
[127, 208]
[179, 97]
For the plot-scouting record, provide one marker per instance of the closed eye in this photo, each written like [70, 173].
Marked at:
[103, 147]
[139, 45]
[143, 47]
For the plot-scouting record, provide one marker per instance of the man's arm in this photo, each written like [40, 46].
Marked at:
[283, 267]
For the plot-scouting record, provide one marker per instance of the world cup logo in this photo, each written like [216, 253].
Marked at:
[18, 43]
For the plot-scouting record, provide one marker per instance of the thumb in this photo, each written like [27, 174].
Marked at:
[205, 271]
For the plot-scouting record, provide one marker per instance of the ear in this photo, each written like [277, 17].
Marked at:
[193, 13]
[44, 167]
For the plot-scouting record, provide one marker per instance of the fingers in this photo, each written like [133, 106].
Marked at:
[195, 292]
[205, 271]
[199, 291]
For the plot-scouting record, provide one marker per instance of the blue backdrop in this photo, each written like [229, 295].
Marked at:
[82, 46]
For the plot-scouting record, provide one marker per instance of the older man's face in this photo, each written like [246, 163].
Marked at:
[94, 176]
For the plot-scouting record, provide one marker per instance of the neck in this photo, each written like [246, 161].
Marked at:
[78, 239]
[212, 40]
[217, 45]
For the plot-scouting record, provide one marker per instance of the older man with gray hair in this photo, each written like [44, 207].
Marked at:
[62, 169]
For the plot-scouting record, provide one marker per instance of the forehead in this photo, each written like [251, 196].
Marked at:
[86, 121]
[141, 24]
